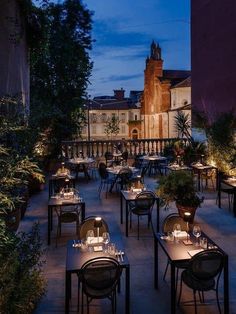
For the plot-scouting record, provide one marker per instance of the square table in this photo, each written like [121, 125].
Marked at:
[129, 196]
[57, 202]
[177, 252]
[53, 179]
[231, 182]
[75, 259]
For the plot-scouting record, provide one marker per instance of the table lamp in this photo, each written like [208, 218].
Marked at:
[187, 218]
[98, 224]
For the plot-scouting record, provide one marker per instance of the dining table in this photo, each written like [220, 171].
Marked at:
[60, 176]
[152, 162]
[81, 165]
[75, 259]
[231, 183]
[58, 201]
[177, 167]
[200, 168]
[177, 251]
[130, 196]
[115, 172]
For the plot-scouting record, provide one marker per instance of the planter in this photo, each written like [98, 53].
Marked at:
[183, 209]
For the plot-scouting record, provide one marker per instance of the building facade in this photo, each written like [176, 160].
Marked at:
[163, 96]
[144, 114]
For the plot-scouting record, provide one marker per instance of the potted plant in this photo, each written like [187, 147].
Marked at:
[179, 187]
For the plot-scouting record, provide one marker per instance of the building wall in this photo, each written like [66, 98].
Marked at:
[180, 97]
[213, 54]
[14, 77]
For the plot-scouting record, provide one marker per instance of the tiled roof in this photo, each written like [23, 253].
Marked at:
[112, 104]
[184, 83]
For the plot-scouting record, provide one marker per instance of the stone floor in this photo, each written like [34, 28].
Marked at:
[219, 224]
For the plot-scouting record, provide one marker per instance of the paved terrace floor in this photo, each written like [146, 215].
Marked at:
[219, 224]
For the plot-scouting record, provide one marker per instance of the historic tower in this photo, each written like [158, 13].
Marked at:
[156, 95]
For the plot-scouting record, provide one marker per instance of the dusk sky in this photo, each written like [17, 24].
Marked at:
[124, 30]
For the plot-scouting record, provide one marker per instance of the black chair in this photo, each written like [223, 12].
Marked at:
[168, 226]
[105, 180]
[88, 224]
[124, 177]
[142, 206]
[125, 156]
[203, 274]
[109, 159]
[68, 214]
[100, 277]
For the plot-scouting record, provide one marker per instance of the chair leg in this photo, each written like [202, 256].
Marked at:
[180, 291]
[217, 299]
[130, 220]
[195, 302]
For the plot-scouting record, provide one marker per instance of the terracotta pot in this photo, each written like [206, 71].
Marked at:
[183, 209]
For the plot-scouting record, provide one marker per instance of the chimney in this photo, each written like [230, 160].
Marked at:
[119, 94]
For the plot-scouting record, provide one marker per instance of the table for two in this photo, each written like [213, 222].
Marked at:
[55, 202]
[153, 163]
[178, 252]
[231, 183]
[55, 178]
[81, 165]
[127, 197]
[75, 260]
[200, 169]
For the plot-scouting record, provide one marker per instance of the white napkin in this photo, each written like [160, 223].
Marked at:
[193, 252]
[181, 234]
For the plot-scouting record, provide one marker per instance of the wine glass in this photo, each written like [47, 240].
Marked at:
[177, 231]
[197, 233]
[89, 236]
[106, 240]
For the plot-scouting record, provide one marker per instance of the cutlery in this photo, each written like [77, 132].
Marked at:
[121, 256]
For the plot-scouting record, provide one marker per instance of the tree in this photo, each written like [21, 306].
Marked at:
[183, 125]
[112, 126]
[60, 70]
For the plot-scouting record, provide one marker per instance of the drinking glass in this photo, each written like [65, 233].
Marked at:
[106, 240]
[111, 249]
[89, 236]
[197, 233]
[177, 231]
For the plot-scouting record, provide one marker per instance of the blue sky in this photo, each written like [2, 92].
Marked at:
[124, 30]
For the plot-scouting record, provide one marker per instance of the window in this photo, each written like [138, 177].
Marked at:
[94, 118]
[103, 117]
[135, 117]
[94, 130]
[122, 117]
[123, 129]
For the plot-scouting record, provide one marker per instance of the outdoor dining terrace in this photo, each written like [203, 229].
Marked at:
[218, 224]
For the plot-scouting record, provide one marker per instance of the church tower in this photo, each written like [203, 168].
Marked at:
[152, 95]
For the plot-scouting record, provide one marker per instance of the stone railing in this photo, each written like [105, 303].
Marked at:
[98, 148]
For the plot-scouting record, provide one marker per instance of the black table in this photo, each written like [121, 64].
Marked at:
[232, 184]
[177, 252]
[53, 179]
[199, 169]
[127, 197]
[74, 261]
[57, 202]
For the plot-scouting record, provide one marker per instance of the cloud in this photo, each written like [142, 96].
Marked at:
[121, 77]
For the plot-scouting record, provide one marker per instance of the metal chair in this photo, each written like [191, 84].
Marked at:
[100, 277]
[203, 274]
[167, 226]
[124, 177]
[88, 224]
[67, 214]
[142, 206]
[109, 159]
[106, 180]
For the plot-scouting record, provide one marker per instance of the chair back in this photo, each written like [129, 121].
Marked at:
[88, 224]
[103, 171]
[125, 174]
[100, 276]
[206, 265]
[108, 156]
[171, 220]
[145, 200]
